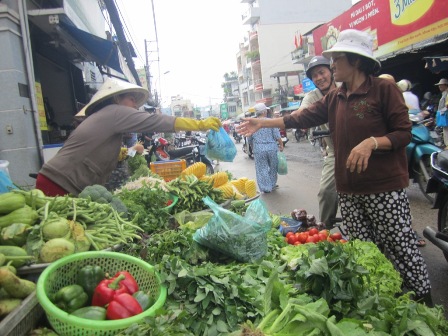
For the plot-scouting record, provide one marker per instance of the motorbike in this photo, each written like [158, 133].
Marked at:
[418, 153]
[247, 148]
[438, 183]
[284, 136]
[237, 137]
[159, 148]
[300, 134]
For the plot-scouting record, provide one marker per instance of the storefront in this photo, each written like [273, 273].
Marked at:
[403, 32]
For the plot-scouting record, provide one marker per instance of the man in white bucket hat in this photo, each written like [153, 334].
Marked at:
[91, 152]
[443, 87]
[370, 128]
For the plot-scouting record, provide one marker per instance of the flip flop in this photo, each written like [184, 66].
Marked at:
[420, 242]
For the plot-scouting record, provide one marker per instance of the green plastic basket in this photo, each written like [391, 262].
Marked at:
[170, 207]
[64, 272]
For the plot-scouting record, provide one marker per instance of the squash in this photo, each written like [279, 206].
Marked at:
[11, 201]
[25, 215]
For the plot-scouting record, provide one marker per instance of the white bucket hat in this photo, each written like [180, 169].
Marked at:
[260, 108]
[443, 81]
[355, 42]
[404, 85]
[112, 87]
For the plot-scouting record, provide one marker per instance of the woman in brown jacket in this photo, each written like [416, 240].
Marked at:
[370, 128]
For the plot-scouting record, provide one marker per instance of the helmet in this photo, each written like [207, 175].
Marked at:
[316, 61]
[404, 85]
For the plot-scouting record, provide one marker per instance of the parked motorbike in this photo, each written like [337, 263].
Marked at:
[191, 154]
[438, 183]
[418, 153]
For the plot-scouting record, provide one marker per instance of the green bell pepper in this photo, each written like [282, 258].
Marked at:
[144, 299]
[91, 313]
[89, 277]
[70, 298]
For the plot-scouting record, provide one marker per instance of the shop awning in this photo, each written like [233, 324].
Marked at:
[92, 47]
[80, 46]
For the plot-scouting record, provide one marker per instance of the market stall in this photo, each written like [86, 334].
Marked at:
[210, 249]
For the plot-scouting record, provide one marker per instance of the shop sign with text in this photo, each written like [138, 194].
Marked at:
[393, 24]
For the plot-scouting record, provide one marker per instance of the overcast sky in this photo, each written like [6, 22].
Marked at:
[198, 43]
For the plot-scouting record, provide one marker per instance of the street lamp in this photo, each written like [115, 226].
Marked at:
[160, 88]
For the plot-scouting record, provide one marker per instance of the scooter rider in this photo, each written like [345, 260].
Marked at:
[320, 73]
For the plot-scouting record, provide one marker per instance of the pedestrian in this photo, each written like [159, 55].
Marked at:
[370, 128]
[91, 152]
[410, 99]
[320, 73]
[443, 87]
[265, 144]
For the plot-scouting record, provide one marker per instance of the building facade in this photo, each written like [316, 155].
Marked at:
[265, 69]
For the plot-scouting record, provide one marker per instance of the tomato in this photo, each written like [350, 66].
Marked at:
[297, 243]
[302, 236]
[325, 232]
[322, 236]
[311, 239]
[330, 239]
[313, 231]
[289, 234]
[292, 239]
[336, 236]
[342, 241]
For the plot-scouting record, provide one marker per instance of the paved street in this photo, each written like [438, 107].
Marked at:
[299, 189]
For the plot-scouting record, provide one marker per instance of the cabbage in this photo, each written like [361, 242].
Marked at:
[55, 227]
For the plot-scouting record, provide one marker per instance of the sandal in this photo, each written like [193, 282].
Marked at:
[420, 242]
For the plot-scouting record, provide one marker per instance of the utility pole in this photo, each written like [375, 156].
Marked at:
[148, 74]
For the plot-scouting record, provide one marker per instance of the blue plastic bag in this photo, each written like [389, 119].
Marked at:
[219, 146]
[441, 119]
[282, 165]
[6, 184]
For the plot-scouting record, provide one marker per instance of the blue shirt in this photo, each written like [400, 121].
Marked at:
[265, 140]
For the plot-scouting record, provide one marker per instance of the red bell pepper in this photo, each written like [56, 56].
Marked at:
[123, 306]
[129, 282]
[107, 290]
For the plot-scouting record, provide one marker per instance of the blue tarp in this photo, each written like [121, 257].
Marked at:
[99, 50]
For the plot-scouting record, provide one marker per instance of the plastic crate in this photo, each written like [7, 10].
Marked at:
[169, 170]
[23, 319]
[63, 272]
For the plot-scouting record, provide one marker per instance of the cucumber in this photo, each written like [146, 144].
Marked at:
[15, 254]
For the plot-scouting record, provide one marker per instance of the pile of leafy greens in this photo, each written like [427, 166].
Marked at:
[312, 289]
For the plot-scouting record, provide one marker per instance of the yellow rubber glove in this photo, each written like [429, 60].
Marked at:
[189, 124]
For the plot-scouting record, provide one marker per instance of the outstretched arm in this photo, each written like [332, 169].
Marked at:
[250, 125]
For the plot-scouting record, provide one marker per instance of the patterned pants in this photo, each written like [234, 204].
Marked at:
[385, 218]
[266, 165]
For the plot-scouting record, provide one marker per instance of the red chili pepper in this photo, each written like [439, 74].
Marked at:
[123, 306]
[129, 282]
[169, 202]
[107, 290]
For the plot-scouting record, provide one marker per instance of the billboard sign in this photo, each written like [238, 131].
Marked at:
[393, 24]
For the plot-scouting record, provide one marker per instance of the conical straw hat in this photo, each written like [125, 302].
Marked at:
[112, 87]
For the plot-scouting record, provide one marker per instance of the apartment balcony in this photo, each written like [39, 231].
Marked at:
[267, 101]
[258, 85]
[252, 16]
[253, 35]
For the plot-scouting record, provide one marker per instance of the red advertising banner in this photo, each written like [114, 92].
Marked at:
[393, 24]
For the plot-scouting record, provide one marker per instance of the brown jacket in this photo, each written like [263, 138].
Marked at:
[376, 109]
[91, 152]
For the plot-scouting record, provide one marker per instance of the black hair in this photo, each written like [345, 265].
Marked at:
[366, 65]
[102, 104]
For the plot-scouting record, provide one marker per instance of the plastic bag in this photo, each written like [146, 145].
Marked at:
[441, 119]
[282, 165]
[243, 238]
[219, 146]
